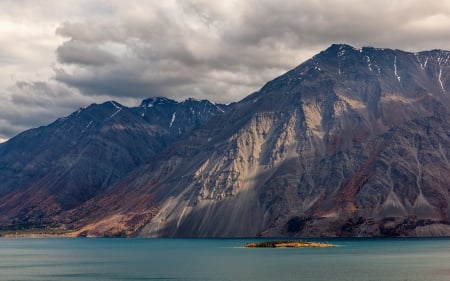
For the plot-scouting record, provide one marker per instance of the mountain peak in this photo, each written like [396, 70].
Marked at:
[338, 50]
[342, 47]
[190, 101]
[341, 50]
[352, 142]
[151, 102]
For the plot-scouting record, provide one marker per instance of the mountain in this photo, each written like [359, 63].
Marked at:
[352, 142]
[51, 169]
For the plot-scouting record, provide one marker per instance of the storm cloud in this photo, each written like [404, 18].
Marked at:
[69, 52]
[91, 51]
[31, 104]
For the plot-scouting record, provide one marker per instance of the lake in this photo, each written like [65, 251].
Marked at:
[222, 260]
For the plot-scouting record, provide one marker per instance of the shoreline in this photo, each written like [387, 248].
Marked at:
[38, 233]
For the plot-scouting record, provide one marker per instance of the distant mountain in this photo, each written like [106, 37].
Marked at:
[51, 169]
[352, 142]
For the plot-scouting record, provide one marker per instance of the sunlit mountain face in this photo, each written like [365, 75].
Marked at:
[352, 142]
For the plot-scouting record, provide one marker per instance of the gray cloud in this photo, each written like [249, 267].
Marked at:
[89, 51]
[91, 32]
[32, 104]
[178, 50]
[74, 52]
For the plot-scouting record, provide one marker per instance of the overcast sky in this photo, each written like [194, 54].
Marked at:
[57, 56]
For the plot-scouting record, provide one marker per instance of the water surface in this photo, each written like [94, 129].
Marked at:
[222, 260]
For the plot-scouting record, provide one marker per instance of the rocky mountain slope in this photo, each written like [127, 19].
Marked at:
[353, 142]
[51, 169]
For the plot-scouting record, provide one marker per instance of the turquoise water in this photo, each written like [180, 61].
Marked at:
[222, 260]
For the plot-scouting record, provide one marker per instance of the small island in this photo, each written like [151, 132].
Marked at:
[289, 244]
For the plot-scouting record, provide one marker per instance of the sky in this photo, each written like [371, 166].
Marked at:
[57, 56]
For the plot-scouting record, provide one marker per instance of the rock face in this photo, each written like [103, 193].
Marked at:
[51, 169]
[353, 142]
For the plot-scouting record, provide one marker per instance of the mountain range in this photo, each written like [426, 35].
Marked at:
[352, 142]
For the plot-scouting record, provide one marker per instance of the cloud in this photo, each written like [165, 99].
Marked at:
[91, 32]
[32, 104]
[177, 48]
[74, 52]
[66, 53]
[174, 50]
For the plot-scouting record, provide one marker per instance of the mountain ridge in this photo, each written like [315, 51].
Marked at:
[352, 142]
[80, 156]
[321, 138]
